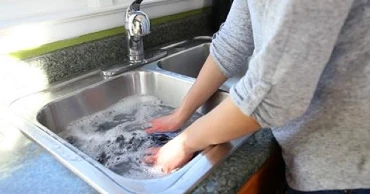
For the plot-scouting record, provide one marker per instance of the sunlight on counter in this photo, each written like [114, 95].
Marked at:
[17, 79]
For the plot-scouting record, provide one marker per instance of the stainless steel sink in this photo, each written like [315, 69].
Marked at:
[189, 62]
[44, 115]
[170, 90]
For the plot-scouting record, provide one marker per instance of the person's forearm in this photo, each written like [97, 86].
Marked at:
[224, 123]
[208, 81]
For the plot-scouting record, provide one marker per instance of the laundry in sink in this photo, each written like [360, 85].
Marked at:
[115, 137]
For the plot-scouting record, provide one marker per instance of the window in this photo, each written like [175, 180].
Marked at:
[12, 10]
[25, 24]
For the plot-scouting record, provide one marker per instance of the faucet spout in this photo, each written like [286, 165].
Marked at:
[137, 25]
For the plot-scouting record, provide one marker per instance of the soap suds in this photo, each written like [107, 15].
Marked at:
[115, 137]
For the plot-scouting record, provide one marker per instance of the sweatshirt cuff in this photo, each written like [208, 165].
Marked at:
[217, 57]
[248, 95]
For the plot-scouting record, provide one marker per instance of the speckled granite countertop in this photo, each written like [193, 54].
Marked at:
[27, 168]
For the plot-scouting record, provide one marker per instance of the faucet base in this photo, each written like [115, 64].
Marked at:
[135, 49]
[121, 68]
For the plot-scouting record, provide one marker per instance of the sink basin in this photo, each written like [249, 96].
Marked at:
[189, 62]
[138, 96]
[170, 90]
[48, 116]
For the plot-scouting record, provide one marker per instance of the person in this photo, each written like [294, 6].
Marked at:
[308, 79]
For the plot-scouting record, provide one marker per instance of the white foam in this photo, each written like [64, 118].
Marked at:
[102, 133]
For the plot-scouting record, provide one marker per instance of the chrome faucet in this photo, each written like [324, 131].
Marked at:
[137, 25]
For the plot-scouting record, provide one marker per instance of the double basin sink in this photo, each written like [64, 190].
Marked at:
[45, 115]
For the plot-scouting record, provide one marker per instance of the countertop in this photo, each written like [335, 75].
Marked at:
[27, 168]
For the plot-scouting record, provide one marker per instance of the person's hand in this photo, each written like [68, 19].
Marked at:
[167, 123]
[171, 156]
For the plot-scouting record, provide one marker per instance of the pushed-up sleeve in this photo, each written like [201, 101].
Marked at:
[233, 43]
[283, 75]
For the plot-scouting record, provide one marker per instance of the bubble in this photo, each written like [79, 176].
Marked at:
[115, 137]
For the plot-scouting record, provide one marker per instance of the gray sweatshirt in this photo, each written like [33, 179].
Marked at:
[308, 79]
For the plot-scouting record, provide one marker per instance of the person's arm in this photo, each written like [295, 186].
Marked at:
[219, 66]
[224, 123]
[209, 80]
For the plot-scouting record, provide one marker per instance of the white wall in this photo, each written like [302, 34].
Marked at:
[29, 32]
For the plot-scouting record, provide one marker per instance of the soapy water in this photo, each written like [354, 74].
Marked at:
[115, 137]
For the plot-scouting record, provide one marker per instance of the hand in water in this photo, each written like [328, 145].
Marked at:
[167, 123]
[171, 156]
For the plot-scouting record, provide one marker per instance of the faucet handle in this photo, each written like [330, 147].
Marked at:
[138, 24]
[135, 6]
